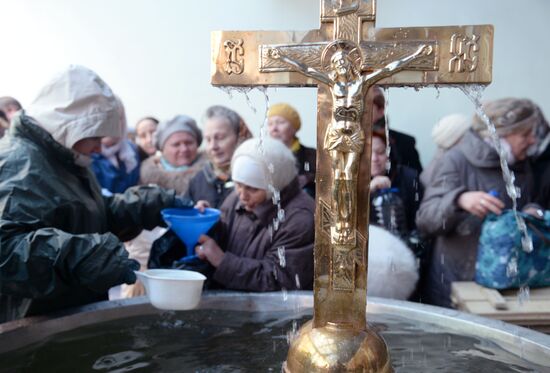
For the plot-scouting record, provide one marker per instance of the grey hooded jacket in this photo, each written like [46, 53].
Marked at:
[472, 165]
[60, 240]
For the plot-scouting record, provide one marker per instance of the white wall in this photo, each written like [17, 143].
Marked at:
[155, 54]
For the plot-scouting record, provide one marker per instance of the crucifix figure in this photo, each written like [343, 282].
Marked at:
[343, 59]
[344, 137]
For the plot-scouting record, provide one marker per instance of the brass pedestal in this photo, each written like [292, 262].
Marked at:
[337, 348]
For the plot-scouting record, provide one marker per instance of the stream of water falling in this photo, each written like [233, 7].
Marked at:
[474, 93]
[386, 93]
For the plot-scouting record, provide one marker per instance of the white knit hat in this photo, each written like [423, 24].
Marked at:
[260, 163]
[450, 129]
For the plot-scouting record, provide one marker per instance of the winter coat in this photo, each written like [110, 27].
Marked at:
[404, 147]
[152, 172]
[427, 173]
[115, 179]
[59, 238]
[306, 162]
[472, 165]
[205, 185]
[259, 258]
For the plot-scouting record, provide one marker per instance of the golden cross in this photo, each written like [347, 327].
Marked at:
[455, 55]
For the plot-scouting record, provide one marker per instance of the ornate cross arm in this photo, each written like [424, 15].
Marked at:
[237, 57]
[461, 54]
[277, 55]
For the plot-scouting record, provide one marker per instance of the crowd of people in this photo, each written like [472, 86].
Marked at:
[80, 198]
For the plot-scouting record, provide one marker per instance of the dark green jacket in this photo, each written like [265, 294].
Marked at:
[60, 240]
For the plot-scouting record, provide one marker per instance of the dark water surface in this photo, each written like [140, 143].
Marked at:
[240, 341]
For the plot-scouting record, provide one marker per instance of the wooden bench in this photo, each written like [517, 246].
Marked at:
[504, 305]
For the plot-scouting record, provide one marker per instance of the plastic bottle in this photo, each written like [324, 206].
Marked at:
[494, 193]
[390, 211]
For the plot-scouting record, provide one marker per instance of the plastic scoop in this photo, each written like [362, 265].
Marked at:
[170, 289]
[189, 225]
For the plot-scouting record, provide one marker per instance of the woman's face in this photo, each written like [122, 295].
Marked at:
[281, 129]
[144, 135]
[180, 149]
[250, 197]
[379, 157]
[520, 142]
[221, 141]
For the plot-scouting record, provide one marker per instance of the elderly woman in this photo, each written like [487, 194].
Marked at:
[223, 131]
[145, 128]
[257, 251]
[60, 239]
[283, 122]
[116, 167]
[178, 140]
[458, 199]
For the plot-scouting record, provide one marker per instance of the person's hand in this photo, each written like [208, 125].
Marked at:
[136, 290]
[379, 182]
[480, 203]
[128, 275]
[534, 210]
[181, 202]
[209, 250]
[201, 205]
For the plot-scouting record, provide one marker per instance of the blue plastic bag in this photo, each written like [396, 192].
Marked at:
[500, 247]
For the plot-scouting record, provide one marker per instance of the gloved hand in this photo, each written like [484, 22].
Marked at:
[183, 202]
[107, 265]
[128, 276]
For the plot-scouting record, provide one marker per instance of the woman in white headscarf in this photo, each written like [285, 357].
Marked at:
[258, 248]
[60, 239]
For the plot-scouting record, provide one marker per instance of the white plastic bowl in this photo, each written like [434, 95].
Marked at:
[172, 289]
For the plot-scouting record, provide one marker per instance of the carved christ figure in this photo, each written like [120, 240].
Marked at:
[344, 137]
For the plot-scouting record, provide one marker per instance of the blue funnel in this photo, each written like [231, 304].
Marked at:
[189, 224]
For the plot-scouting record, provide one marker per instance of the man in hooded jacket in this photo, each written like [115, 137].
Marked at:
[60, 239]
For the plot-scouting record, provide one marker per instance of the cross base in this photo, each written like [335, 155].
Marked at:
[337, 348]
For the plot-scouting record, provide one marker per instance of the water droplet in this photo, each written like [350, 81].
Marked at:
[306, 166]
[281, 215]
[285, 294]
[275, 224]
[512, 268]
[298, 285]
[281, 255]
[523, 295]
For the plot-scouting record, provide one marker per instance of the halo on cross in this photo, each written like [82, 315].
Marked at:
[347, 47]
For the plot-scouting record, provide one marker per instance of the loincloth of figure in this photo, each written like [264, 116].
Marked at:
[340, 139]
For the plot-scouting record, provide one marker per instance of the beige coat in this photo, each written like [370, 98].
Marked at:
[152, 173]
